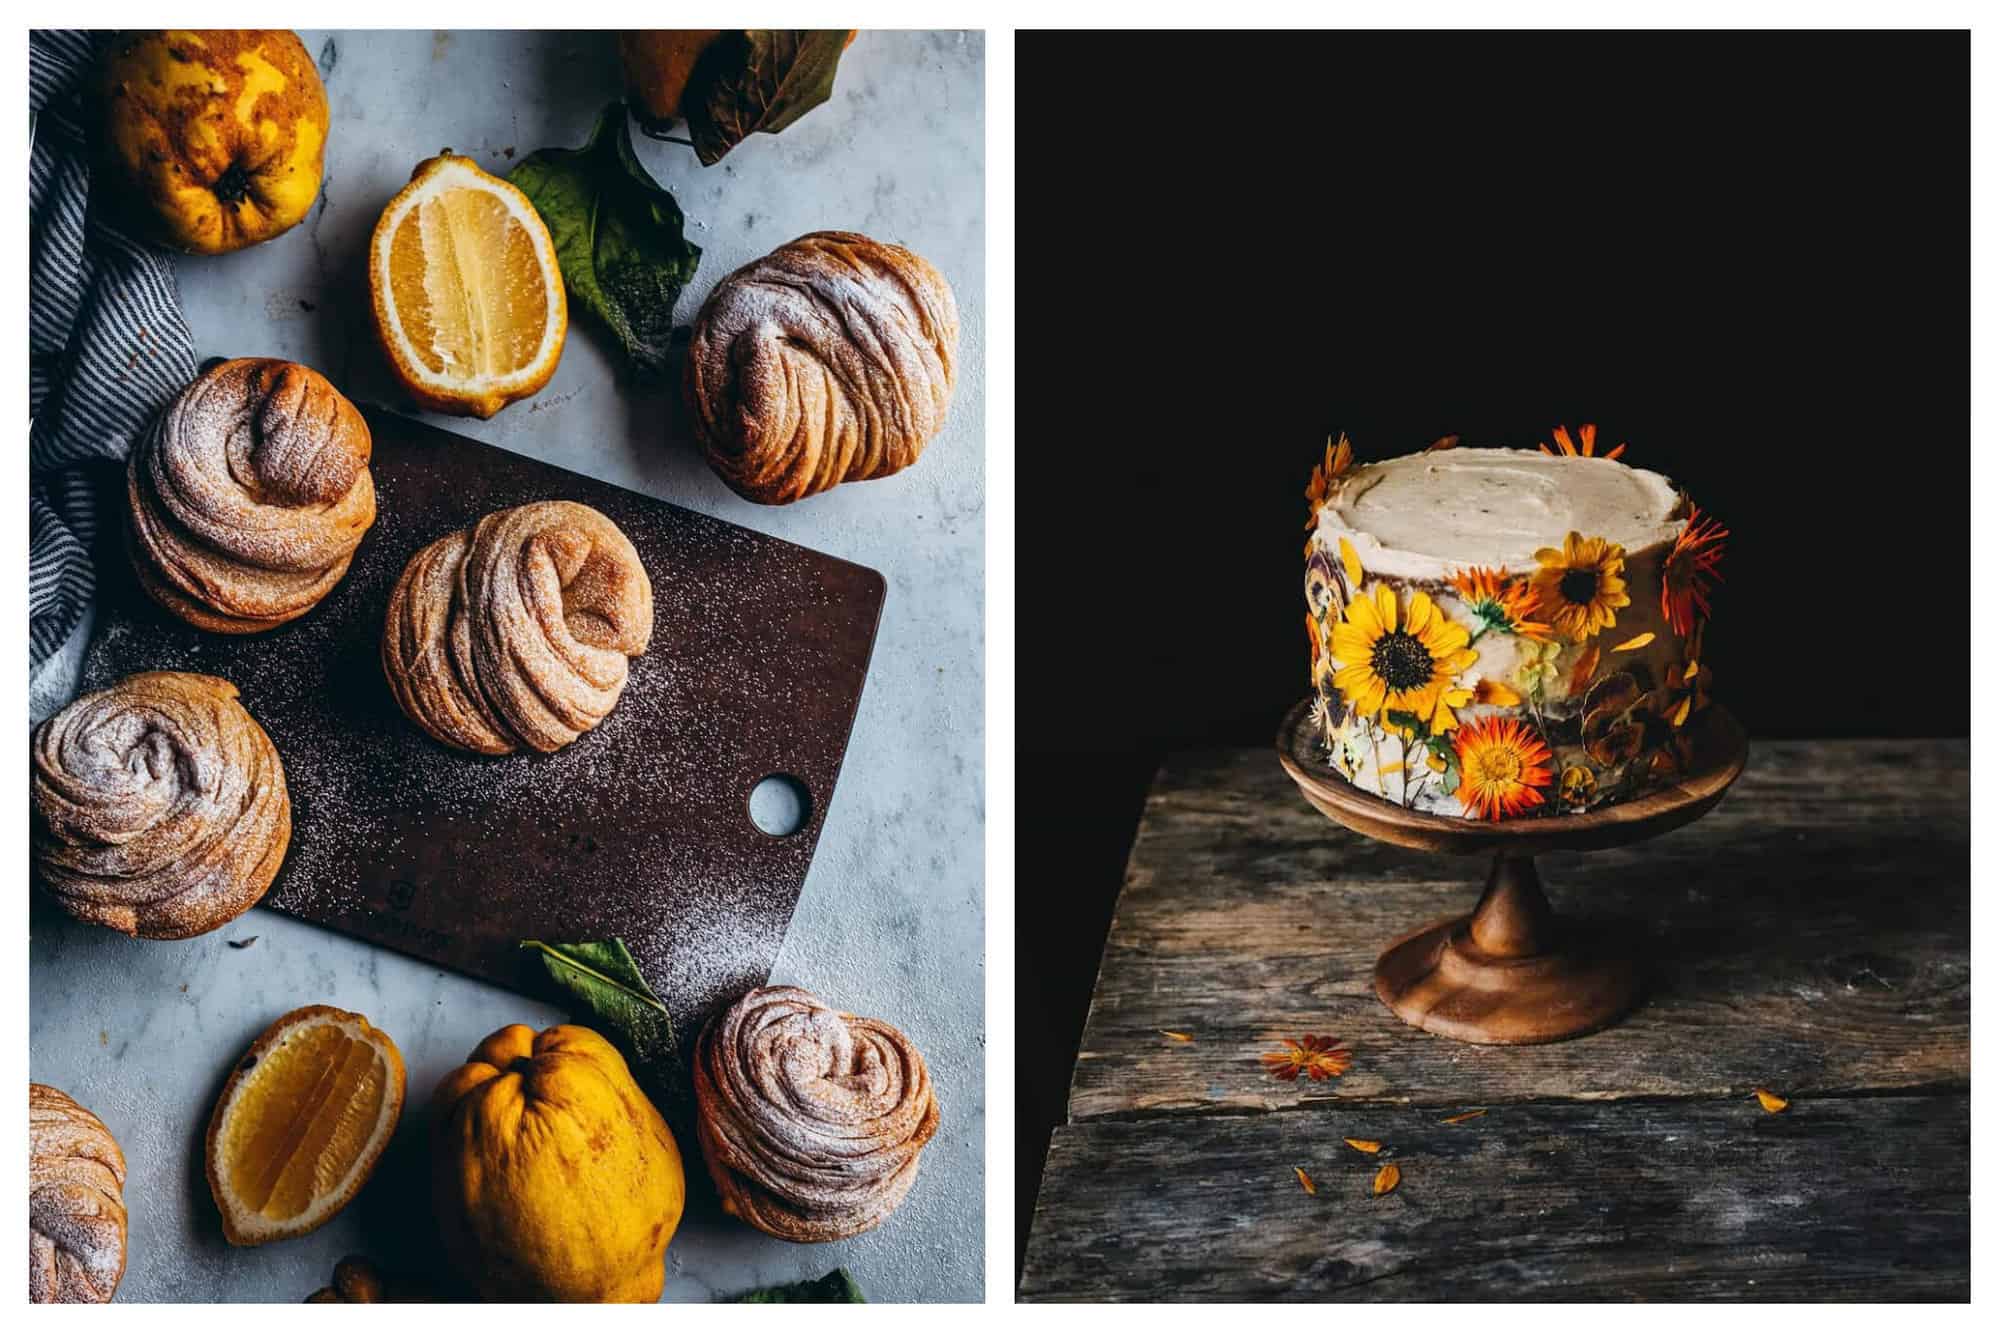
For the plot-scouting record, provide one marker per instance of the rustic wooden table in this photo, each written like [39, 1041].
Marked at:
[1810, 936]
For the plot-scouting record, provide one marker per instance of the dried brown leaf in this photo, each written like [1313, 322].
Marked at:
[1462, 1117]
[1771, 1101]
[1387, 1179]
[1305, 1181]
[1364, 1145]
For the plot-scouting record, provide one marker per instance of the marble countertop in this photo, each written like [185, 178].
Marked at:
[891, 923]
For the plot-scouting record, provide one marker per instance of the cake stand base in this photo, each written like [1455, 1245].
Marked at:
[1510, 974]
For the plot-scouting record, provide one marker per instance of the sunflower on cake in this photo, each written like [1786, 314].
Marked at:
[1504, 633]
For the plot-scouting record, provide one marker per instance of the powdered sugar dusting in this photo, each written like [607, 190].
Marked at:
[640, 828]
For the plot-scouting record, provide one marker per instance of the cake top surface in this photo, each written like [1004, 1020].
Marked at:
[1425, 514]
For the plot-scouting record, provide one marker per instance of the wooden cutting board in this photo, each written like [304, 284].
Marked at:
[640, 829]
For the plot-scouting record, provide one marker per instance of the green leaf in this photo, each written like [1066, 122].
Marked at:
[605, 981]
[758, 80]
[836, 1288]
[1409, 720]
[618, 236]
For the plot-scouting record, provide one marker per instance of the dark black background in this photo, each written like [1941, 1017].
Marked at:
[1745, 254]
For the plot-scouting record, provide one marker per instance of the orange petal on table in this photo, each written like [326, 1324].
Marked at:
[1363, 1145]
[1771, 1101]
[1462, 1117]
[1634, 643]
[1176, 1036]
[1305, 1181]
[1387, 1178]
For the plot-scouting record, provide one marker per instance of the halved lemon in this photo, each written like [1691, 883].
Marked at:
[301, 1123]
[469, 304]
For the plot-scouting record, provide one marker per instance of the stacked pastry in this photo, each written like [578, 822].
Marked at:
[159, 806]
[249, 496]
[830, 359]
[76, 1202]
[1498, 632]
[811, 1121]
[517, 633]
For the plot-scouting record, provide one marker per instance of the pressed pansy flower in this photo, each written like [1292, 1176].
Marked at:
[1537, 669]
[1503, 767]
[1499, 602]
[1339, 457]
[1318, 1058]
[1587, 449]
[1396, 660]
[1581, 587]
[1690, 567]
[1579, 784]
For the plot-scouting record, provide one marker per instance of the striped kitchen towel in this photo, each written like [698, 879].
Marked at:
[108, 346]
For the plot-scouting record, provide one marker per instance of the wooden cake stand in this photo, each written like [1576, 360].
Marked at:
[1512, 973]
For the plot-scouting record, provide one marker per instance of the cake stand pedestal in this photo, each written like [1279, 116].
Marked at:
[1513, 973]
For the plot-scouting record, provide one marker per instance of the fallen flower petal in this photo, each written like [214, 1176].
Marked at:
[1771, 1101]
[1387, 1179]
[1176, 1036]
[1462, 1117]
[1305, 1181]
[1364, 1145]
[1318, 1058]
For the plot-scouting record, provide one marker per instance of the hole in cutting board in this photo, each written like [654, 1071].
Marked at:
[780, 805]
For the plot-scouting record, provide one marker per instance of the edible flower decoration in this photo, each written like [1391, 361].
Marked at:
[1318, 1058]
[1581, 587]
[1339, 457]
[1570, 449]
[1499, 602]
[1503, 767]
[1538, 670]
[1579, 784]
[1393, 660]
[1690, 567]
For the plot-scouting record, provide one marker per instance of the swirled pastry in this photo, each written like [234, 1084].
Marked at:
[76, 1202]
[517, 633]
[811, 1121]
[249, 496]
[830, 359]
[159, 806]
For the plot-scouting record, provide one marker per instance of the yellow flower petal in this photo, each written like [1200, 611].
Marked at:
[1634, 643]
[1351, 563]
[1387, 769]
[1418, 618]
[1681, 713]
[1369, 1146]
[1437, 763]
[1492, 692]
[1385, 607]
[1771, 1101]
[1361, 615]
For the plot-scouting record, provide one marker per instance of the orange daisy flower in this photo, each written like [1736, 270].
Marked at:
[1318, 1058]
[1503, 767]
[1339, 457]
[1684, 582]
[1500, 602]
[1589, 447]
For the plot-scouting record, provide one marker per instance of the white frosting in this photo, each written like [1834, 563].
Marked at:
[1425, 515]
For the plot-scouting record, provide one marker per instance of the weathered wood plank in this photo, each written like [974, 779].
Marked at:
[1810, 935]
[1844, 1199]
